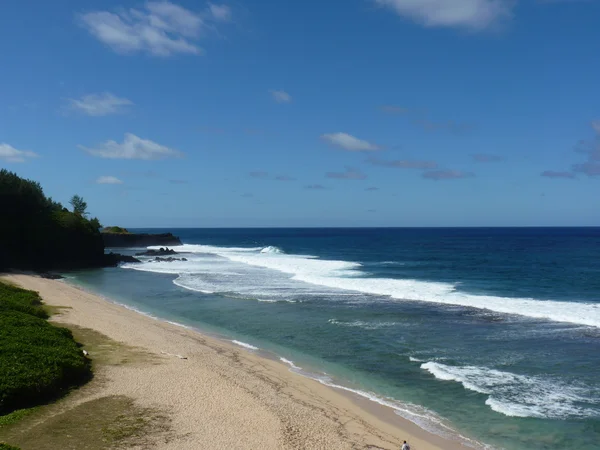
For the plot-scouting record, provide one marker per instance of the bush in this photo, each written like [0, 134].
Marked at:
[4, 446]
[115, 230]
[17, 299]
[38, 361]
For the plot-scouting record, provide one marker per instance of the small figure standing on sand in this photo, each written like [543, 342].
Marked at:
[405, 446]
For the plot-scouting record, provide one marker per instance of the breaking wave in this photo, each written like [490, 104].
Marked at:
[303, 270]
[520, 395]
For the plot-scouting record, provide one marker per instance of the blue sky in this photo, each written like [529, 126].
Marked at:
[312, 113]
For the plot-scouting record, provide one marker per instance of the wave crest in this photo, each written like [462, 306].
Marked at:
[272, 249]
[520, 395]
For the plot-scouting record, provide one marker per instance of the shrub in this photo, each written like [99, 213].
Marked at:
[115, 230]
[17, 299]
[4, 446]
[38, 361]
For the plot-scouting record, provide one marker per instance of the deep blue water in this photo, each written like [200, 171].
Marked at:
[494, 332]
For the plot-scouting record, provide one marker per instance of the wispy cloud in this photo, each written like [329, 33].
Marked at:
[247, 195]
[349, 142]
[263, 175]
[10, 154]
[473, 15]
[211, 130]
[348, 174]
[591, 149]
[372, 188]
[259, 174]
[444, 125]
[316, 187]
[108, 179]
[160, 28]
[280, 96]
[447, 175]
[589, 168]
[403, 163]
[99, 104]
[394, 110]
[132, 147]
[177, 181]
[486, 157]
[420, 118]
[221, 13]
[555, 174]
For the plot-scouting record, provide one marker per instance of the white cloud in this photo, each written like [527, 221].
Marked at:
[281, 96]
[596, 126]
[470, 14]
[99, 104]
[220, 12]
[160, 28]
[132, 147]
[10, 154]
[108, 180]
[348, 142]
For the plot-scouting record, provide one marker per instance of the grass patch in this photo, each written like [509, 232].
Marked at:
[52, 310]
[13, 298]
[16, 416]
[38, 361]
[115, 230]
[106, 351]
[105, 423]
[8, 447]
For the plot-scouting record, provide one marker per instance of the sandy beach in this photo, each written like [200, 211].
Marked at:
[221, 396]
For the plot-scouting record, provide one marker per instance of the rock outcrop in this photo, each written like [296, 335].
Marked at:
[114, 259]
[160, 252]
[169, 259]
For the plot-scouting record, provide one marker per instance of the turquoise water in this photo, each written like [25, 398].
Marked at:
[494, 332]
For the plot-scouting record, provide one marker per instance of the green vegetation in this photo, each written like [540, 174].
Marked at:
[13, 298]
[79, 206]
[16, 416]
[38, 361]
[8, 447]
[39, 233]
[115, 230]
[113, 422]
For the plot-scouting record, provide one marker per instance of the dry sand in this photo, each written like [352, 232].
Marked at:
[223, 396]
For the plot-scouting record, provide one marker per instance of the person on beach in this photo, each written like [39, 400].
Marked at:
[405, 446]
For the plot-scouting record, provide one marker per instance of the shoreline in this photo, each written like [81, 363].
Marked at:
[264, 401]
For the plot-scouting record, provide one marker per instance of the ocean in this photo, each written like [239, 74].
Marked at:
[489, 335]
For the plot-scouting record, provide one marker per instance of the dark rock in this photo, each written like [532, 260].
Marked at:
[114, 259]
[51, 276]
[139, 240]
[169, 259]
[161, 252]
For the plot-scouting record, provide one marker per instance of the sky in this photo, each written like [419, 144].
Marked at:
[271, 113]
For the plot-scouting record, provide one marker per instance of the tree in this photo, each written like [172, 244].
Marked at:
[79, 206]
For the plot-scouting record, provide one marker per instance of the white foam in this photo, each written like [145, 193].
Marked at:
[410, 358]
[271, 249]
[290, 363]
[346, 276]
[521, 395]
[245, 345]
[363, 324]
